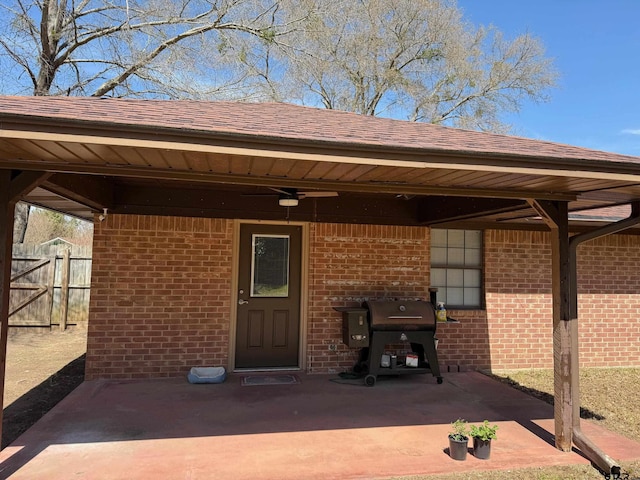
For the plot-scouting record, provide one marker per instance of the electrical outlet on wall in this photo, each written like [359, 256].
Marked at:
[333, 347]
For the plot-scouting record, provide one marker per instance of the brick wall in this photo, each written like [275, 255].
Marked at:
[609, 301]
[159, 296]
[519, 310]
[518, 299]
[464, 345]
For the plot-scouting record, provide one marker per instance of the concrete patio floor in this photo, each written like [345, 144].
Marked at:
[317, 429]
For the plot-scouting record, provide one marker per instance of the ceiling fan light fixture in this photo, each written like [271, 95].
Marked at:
[288, 202]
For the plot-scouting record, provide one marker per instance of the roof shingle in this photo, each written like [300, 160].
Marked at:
[292, 122]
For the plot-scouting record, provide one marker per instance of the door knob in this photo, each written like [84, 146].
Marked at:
[242, 302]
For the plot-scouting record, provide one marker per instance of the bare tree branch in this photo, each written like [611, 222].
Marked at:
[135, 32]
[414, 58]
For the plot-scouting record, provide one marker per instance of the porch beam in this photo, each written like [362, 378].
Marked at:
[89, 190]
[211, 202]
[24, 182]
[13, 186]
[437, 209]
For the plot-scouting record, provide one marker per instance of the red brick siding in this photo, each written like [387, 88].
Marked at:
[519, 310]
[464, 345]
[160, 296]
[609, 301]
[350, 264]
[518, 299]
[160, 299]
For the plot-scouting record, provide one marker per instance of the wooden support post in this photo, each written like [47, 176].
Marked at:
[565, 331]
[565, 335]
[7, 212]
[12, 186]
[64, 289]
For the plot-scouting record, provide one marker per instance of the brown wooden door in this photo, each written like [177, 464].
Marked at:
[268, 323]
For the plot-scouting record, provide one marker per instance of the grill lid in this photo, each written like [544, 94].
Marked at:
[401, 315]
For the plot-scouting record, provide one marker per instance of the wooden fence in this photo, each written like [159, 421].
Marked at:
[50, 285]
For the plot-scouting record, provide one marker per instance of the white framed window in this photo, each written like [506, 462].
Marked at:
[456, 267]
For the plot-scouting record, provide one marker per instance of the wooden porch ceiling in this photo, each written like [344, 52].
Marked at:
[147, 169]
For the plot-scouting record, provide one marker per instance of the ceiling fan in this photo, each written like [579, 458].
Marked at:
[289, 197]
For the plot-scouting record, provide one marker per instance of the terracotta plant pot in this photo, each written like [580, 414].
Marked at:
[458, 449]
[481, 448]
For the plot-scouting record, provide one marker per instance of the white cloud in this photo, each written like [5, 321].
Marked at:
[632, 131]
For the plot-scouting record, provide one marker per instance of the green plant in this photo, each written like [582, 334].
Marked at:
[459, 430]
[484, 431]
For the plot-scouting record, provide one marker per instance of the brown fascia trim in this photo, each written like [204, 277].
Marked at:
[275, 144]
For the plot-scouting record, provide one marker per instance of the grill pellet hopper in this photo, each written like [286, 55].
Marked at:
[389, 322]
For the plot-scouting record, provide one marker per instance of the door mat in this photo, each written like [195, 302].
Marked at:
[287, 379]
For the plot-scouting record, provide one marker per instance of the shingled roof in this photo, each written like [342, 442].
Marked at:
[247, 146]
[292, 122]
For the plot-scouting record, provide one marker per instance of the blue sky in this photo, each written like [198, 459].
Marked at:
[596, 48]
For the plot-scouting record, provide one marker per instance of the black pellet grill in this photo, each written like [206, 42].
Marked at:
[380, 323]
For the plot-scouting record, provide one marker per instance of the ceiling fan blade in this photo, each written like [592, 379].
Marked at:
[276, 192]
[291, 192]
[317, 194]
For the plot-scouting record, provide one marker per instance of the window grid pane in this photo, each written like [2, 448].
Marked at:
[455, 256]
[472, 278]
[457, 266]
[455, 238]
[473, 239]
[439, 255]
[439, 276]
[473, 257]
[438, 238]
[471, 296]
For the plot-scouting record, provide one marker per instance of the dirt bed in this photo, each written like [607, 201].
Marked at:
[42, 368]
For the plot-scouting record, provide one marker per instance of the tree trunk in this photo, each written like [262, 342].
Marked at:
[20, 222]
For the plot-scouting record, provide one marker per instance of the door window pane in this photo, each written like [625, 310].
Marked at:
[270, 266]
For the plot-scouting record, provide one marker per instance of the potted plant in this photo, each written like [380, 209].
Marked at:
[458, 440]
[482, 435]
